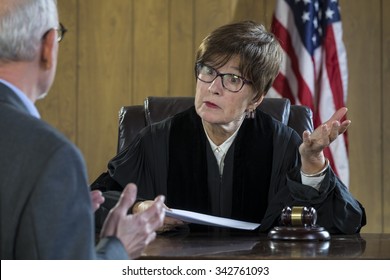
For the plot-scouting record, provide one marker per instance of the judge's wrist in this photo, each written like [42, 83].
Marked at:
[320, 173]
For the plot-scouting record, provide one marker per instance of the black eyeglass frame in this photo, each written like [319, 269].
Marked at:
[61, 30]
[219, 74]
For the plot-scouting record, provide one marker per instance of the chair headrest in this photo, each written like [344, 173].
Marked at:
[159, 108]
[279, 108]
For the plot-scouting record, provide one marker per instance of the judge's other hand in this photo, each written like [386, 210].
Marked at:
[314, 143]
[97, 199]
[169, 223]
[135, 231]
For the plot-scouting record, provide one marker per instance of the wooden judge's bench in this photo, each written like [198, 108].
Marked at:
[248, 245]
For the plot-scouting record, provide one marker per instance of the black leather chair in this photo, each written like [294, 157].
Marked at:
[133, 118]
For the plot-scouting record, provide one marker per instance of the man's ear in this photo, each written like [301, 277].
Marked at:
[47, 51]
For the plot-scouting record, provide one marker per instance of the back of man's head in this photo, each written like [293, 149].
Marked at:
[23, 23]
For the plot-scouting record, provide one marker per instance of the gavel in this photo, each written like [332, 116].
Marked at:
[299, 223]
[298, 216]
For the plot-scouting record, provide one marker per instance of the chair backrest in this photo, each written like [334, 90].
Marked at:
[133, 118]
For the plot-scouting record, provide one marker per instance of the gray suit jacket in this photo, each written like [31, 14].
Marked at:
[46, 211]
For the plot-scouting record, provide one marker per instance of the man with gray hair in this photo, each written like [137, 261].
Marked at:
[46, 209]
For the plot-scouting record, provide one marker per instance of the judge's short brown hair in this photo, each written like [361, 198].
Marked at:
[258, 50]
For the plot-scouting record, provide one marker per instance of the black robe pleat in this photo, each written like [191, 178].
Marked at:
[188, 172]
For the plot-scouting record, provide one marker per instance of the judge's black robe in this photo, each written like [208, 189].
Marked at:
[261, 174]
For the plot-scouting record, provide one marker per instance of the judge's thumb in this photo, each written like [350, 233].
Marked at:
[306, 137]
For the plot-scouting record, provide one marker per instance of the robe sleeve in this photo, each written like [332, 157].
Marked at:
[337, 210]
[145, 161]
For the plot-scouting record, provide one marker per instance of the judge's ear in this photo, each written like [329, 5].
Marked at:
[48, 51]
[257, 101]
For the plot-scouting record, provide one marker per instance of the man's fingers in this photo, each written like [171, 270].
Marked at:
[126, 199]
[156, 207]
[97, 199]
[155, 214]
[150, 237]
[97, 196]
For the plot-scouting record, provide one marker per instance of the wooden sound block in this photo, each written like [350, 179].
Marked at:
[313, 233]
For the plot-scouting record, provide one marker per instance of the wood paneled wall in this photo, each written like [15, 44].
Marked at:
[118, 52]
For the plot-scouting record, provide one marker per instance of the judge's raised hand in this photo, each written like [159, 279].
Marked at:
[311, 149]
[135, 231]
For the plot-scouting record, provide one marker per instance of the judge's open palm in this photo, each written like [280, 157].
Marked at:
[314, 143]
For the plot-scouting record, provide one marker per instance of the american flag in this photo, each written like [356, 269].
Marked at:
[314, 71]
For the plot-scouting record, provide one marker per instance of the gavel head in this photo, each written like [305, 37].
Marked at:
[298, 216]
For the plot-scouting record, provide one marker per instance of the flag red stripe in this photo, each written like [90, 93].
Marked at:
[281, 85]
[304, 93]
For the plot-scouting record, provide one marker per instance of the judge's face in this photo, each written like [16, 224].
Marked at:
[214, 103]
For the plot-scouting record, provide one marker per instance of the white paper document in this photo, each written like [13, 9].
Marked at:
[203, 219]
